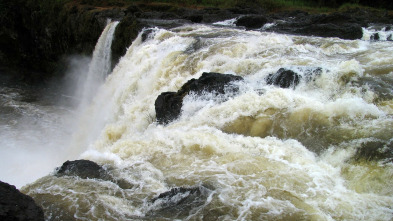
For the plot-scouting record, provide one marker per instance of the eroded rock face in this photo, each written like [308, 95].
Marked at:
[168, 104]
[16, 206]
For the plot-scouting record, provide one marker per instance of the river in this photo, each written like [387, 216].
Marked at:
[319, 151]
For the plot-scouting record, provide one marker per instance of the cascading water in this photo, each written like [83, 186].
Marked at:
[320, 151]
[35, 130]
[100, 65]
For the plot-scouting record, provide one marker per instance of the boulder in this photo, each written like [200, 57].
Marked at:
[87, 169]
[83, 169]
[252, 21]
[16, 206]
[284, 78]
[168, 104]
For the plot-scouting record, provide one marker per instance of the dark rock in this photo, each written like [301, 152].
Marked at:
[16, 206]
[83, 169]
[146, 33]
[345, 25]
[344, 31]
[390, 38]
[168, 104]
[179, 202]
[126, 32]
[374, 37]
[195, 18]
[88, 169]
[284, 78]
[209, 82]
[168, 107]
[252, 21]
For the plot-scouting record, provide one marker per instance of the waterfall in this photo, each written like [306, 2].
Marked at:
[100, 65]
[317, 151]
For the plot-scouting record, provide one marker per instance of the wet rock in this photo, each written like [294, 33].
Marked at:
[16, 206]
[347, 31]
[146, 34]
[252, 21]
[375, 37]
[168, 104]
[284, 78]
[195, 18]
[87, 169]
[179, 202]
[83, 169]
[126, 32]
[342, 25]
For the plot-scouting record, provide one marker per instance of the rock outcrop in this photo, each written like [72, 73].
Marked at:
[338, 25]
[168, 104]
[16, 206]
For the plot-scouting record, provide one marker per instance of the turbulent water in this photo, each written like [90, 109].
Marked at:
[319, 151]
[33, 130]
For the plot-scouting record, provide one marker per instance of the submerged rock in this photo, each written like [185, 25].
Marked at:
[376, 150]
[15, 205]
[168, 104]
[179, 202]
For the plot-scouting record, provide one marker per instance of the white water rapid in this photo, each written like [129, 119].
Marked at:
[321, 151]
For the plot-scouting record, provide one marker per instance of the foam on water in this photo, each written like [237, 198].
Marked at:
[266, 153]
